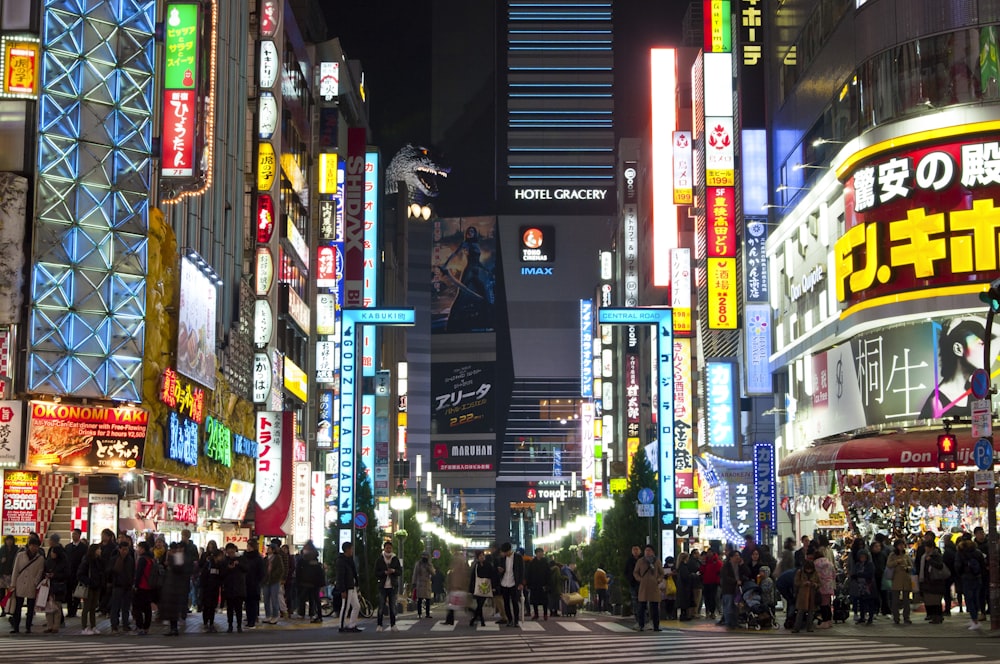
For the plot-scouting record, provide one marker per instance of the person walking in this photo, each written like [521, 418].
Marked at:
[481, 586]
[899, 564]
[600, 591]
[210, 580]
[536, 576]
[649, 572]
[234, 587]
[347, 584]
[311, 578]
[176, 588]
[457, 581]
[864, 577]
[422, 583]
[806, 587]
[555, 586]
[58, 573]
[109, 547]
[274, 573]
[510, 571]
[90, 574]
[287, 597]
[388, 571]
[827, 582]
[122, 576]
[28, 571]
[147, 578]
[192, 570]
[969, 566]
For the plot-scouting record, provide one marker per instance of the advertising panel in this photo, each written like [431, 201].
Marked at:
[462, 399]
[733, 485]
[538, 244]
[683, 168]
[722, 410]
[329, 80]
[296, 380]
[680, 289]
[180, 46]
[13, 211]
[326, 266]
[722, 294]
[273, 489]
[354, 221]
[180, 89]
[178, 134]
[721, 211]
[237, 500]
[301, 501]
[75, 435]
[181, 439]
[326, 313]
[683, 419]
[462, 457]
[631, 256]
[758, 349]
[196, 325]
[463, 263]
[19, 61]
[20, 504]
[586, 348]
[720, 157]
[718, 34]
[11, 432]
[918, 217]
[755, 259]
[766, 489]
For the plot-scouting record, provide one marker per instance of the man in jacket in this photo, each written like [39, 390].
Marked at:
[537, 578]
[347, 584]
[75, 551]
[191, 557]
[29, 567]
[733, 574]
[255, 573]
[510, 571]
[122, 576]
[388, 571]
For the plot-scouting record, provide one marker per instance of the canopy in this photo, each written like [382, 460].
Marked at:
[898, 450]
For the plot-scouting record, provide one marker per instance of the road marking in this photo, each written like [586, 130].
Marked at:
[615, 626]
[442, 627]
[571, 626]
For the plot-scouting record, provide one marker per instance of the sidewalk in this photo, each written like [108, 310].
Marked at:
[193, 624]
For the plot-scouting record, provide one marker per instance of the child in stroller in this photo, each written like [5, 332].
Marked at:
[757, 607]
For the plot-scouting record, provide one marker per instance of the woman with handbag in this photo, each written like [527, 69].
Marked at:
[481, 586]
[57, 572]
[89, 581]
[933, 575]
[649, 573]
[29, 568]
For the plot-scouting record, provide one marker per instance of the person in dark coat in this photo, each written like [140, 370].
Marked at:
[948, 555]
[109, 546]
[121, 574]
[234, 587]
[864, 576]
[537, 577]
[147, 571]
[969, 566]
[75, 552]
[57, 572]
[633, 585]
[8, 552]
[310, 578]
[254, 564]
[174, 594]
[930, 587]
[90, 573]
[210, 581]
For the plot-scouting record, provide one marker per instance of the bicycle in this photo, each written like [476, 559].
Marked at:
[330, 603]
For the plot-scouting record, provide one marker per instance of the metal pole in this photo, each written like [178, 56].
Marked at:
[991, 496]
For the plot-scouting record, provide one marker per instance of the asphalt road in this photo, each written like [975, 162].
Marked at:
[586, 638]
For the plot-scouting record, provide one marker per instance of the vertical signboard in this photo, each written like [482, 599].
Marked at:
[665, 418]
[663, 70]
[680, 289]
[631, 255]
[683, 419]
[758, 349]
[683, 169]
[755, 260]
[302, 501]
[586, 348]
[20, 504]
[354, 218]
[180, 89]
[718, 34]
[273, 490]
[721, 404]
[765, 485]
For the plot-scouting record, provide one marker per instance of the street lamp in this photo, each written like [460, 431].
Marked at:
[401, 502]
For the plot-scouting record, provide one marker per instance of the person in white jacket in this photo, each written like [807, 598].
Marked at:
[29, 567]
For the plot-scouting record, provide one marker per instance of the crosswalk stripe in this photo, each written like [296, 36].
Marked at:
[571, 626]
[532, 627]
[443, 627]
[614, 626]
[488, 627]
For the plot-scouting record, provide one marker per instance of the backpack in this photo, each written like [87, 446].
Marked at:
[154, 574]
[972, 566]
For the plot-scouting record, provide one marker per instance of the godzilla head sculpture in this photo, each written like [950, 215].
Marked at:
[414, 166]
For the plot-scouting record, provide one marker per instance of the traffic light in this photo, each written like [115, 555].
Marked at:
[947, 448]
[991, 296]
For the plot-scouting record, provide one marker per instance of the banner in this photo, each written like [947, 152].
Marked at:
[20, 503]
[463, 264]
[462, 398]
[273, 491]
[95, 436]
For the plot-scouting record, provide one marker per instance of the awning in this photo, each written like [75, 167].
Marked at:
[898, 450]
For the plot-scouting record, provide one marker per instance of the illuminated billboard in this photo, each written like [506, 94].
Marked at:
[180, 89]
[463, 264]
[663, 68]
[196, 324]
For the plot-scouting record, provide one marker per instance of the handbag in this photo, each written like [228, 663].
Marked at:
[938, 573]
[484, 587]
[42, 594]
[81, 591]
[8, 597]
[886, 582]
[458, 599]
[671, 587]
[572, 599]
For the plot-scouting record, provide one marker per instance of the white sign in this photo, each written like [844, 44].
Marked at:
[11, 432]
[267, 120]
[317, 514]
[268, 64]
[326, 361]
[261, 377]
[298, 243]
[631, 256]
[265, 272]
[645, 510]
[326, 313]
[984, 479]
[269, 434]
[329, 80]
[560, 194]
[301, 501]
[263, 323]
[982, 420]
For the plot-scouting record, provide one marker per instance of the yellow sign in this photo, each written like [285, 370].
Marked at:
[617, 484]
[267, 166]
[631, 447]
[296, 381]
[722, 294]
[290, 165]
[328, 173]
[20, 68]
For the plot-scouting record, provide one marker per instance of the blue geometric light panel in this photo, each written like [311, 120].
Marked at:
[88, 288]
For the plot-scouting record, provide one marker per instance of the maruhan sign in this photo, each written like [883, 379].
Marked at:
[546, 194]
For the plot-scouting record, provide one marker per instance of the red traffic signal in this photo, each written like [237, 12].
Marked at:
[947, 447]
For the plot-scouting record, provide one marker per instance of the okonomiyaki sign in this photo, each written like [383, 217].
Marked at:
[79, 435]
[920, 217]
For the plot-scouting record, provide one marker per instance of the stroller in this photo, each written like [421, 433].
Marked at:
[754, 611]
[841, 600]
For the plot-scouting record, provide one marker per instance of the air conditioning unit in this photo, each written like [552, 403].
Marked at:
[136, 489]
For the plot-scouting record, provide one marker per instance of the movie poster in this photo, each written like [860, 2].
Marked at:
[463, 269]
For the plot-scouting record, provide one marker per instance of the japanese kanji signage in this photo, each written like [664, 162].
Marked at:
[680, 289]
[721, 211]
[218, 442]
[77, 435]
[20, 503]
[182, 396]
[683, 168]
[273, 491]
[755, 259]
[632, 405]
[181, 439]
[461, 397]
[722, 293]
[19, 58]
[683, 418]
[180, 89]
[919, 218]
[11, 432]
[733, 482]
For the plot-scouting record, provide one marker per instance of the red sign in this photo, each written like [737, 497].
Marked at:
[920, 218]
[354, 218]
[178, 139]
[326, 267]
[265, 218]
[85, 435]
[6, 414]
[268, 17]
[20, 502]
[721, 227]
